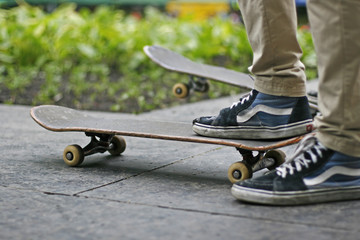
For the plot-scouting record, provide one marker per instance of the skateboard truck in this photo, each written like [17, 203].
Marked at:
[74, 155]
[244, 169]
[198, 84]
[99, 143]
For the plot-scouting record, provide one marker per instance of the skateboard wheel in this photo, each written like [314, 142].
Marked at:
[239, 171]
[181, 90]
[118, 145]
[276, 154]
[73, 155]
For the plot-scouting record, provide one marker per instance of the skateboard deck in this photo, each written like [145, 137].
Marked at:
[199, 74]
[103, 138]
[175, 62]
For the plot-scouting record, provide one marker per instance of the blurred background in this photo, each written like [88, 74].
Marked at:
[88, 54]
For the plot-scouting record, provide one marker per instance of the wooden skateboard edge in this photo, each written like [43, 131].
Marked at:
[193, 139]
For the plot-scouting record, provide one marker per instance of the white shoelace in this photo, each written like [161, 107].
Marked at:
[297, 162]
[242, 100]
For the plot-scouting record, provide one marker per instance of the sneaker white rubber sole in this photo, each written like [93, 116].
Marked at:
[295, 197]
[255, 132]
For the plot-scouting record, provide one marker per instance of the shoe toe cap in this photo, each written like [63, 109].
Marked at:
[265, 182]
[204, 120]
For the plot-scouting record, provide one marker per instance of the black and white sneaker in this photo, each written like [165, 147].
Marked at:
[259, 116]
[314, 174]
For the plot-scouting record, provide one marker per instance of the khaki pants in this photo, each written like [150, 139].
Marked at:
[335, 24]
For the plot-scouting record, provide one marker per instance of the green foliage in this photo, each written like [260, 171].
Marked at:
[95, 60]
[309, 56]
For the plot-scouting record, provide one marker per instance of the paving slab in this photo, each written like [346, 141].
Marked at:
[155, 190]
[38, 216]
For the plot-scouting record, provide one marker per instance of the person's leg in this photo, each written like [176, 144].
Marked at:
[336, 32]
[277, 107]
[271, 28]
[327, 167]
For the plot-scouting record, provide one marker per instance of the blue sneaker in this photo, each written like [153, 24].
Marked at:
[314, 174]
[259, 116]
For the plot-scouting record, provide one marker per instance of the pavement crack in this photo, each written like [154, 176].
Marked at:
[58, 194]
[148, 171]
[212, 213]
[185, 209]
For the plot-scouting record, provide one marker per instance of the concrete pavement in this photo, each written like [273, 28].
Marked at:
[155, 190]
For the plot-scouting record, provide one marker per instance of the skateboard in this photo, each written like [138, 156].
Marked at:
[107, 135]
[199, 74]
